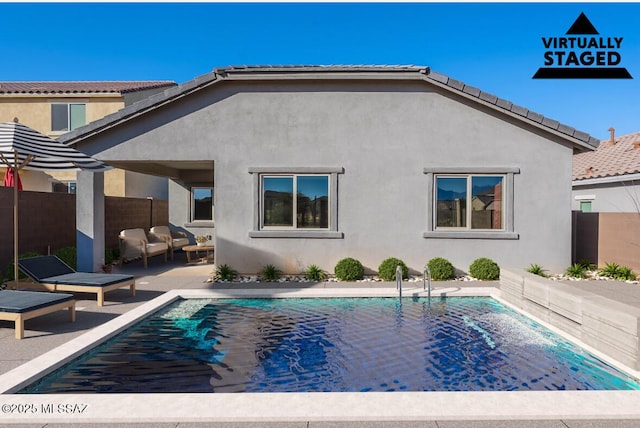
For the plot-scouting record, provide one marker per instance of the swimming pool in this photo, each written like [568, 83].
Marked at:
[334, 345]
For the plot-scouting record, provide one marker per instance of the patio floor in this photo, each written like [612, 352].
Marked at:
[47, 332]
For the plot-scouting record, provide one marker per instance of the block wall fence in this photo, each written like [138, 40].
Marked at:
[47, 221]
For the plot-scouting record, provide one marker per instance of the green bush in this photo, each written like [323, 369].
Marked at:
[576, 270]
[615, 271]
[484, 269]
[587, 264]
[270, 273]
[349, 269]
[537, 270]
[441, 269]
[8, 272]
[315, 273]
[111, 255]
[225, 273]
[69, 255]
[387, 269]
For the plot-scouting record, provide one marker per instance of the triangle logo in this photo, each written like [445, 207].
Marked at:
[582, 25]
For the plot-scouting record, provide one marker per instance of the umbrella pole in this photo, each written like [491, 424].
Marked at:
[15, 227]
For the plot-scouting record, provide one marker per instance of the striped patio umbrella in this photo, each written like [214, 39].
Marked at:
[22, 147]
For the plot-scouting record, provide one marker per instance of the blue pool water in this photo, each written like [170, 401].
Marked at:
[332, 345]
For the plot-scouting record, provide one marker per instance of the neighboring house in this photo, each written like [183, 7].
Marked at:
[311, 164]
[608, 179]
[55, 108]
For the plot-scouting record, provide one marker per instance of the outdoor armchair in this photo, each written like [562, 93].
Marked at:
[134, 244]
[174, 239]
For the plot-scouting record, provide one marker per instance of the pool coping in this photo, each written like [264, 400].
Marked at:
[256, 407]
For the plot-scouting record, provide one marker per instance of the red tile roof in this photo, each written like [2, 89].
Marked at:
[77, 87]
[608, 160]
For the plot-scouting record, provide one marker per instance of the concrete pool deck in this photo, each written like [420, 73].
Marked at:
[463, 409]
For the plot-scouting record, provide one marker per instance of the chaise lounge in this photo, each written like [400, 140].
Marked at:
[52, 274]
[19, 306]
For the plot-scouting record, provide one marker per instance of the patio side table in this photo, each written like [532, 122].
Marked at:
[207, 249]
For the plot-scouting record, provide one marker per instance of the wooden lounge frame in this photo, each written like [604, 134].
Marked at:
[22, 313]
[52, 274]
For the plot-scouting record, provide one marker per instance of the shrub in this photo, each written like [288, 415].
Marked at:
[441, 269]
[609, 270]
[349, 269]
[270, 273]
[111, 255]
[387, 269]
[69, 255]
[626, 274]
[587, 264]
[484, 269]
[315, 273]
[8, 272]
[615, 271]
[537, 270]
[225, 273]
[576, 270]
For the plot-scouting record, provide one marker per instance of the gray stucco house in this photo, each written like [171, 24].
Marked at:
[300, 165]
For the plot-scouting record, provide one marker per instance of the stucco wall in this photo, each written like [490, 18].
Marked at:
[383, 135]
[622, 197]
[35, 111]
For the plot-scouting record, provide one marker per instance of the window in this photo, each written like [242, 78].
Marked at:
[471, 203]
[201, 204]
[67, 117]
[64, 187]
[585, 206]
[295, 202]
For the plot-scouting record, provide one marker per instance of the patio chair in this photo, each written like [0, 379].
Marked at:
[134, 244]
[174, 239]
[52, 274]
[19, 306]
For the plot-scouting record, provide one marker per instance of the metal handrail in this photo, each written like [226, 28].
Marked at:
[426, 276]
[399, 279]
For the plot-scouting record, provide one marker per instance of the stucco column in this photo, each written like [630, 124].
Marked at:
[90, 221]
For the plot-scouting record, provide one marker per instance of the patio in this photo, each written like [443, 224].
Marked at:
[48, 332]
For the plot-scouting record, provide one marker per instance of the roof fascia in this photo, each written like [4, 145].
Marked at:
[606, 180]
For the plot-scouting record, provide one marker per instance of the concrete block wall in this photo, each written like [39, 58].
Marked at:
[48, 220]
[611, 327]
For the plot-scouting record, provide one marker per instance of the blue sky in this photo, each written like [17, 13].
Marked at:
[496, 47]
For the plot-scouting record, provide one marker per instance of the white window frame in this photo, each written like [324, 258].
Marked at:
[193, 204]
[68, 105]
[261, 231]
[507, 231]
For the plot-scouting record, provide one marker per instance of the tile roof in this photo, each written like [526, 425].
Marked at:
[580, 140]
[608, 160]
[79, 87]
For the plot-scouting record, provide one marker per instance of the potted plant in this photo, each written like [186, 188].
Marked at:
[201, 240]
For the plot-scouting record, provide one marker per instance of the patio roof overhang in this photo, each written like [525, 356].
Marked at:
[191, 172]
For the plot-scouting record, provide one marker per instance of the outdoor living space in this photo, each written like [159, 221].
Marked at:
[460, 409]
